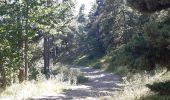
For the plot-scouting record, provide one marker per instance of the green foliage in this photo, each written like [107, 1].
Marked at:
[133, 56]
[138, 50]
[163, 88]
[98, 65]
[119, 61]
[85, 61]
[156, 32]
[20, 22]
[146, 50]
[68, 74]
[34, 72]
[112, 30]
[149, 6]
[118, 70]
[157, 36]
[82, 61]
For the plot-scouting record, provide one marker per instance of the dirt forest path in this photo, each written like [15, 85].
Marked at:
[100, 83]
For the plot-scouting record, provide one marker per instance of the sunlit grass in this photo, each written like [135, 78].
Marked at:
[134, 86]
[30, 89]
[63, 80]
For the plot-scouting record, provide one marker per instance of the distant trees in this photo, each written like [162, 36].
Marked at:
[113, 24]
[133, 39]
[81, 15]
[117, 30]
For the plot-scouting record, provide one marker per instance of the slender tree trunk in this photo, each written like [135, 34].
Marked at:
[54, 55]
[124, 23]
[26, 41]
[46, 55]
[53, 51]
[26, 58]
[4, 80]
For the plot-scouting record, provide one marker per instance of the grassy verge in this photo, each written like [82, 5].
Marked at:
[62, 78]
[31, 89]
[96, 63]
[134, 86]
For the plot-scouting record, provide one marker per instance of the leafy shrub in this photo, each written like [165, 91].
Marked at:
[34, 72]
[82, 61]
[163, 88]
[72, 75]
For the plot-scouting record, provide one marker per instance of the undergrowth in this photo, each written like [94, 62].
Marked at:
[62, 77]
[30, 89]
[134, 86]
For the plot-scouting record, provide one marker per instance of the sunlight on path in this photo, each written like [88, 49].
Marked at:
[100, 84]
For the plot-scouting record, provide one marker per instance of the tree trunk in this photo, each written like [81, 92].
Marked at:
[3, 79]
[124, 23]
[26, 58]
[46, 55]
[26, 41]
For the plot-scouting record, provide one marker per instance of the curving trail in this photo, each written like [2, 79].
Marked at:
[100, 83]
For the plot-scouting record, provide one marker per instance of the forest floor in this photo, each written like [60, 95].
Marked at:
[99, 84]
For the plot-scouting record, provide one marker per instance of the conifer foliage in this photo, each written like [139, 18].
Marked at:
[149, 6]
[21, 22]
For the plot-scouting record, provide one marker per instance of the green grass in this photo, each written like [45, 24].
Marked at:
[97, 66]
[84, 61]
[94, 63]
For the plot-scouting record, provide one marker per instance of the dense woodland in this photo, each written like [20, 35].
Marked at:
[131, 35]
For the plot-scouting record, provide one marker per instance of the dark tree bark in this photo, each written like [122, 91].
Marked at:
[54, 55]
[46, 55]
[26, 41]
[26, 58]
[21, 75]
[3, 82]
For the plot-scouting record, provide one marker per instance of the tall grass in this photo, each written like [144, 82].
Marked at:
[133, 86]
[64, 77]
[30, 89]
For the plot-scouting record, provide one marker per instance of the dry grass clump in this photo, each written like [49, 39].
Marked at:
[30, 89]
[66, 73]
[134, 85]
[63, 78]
